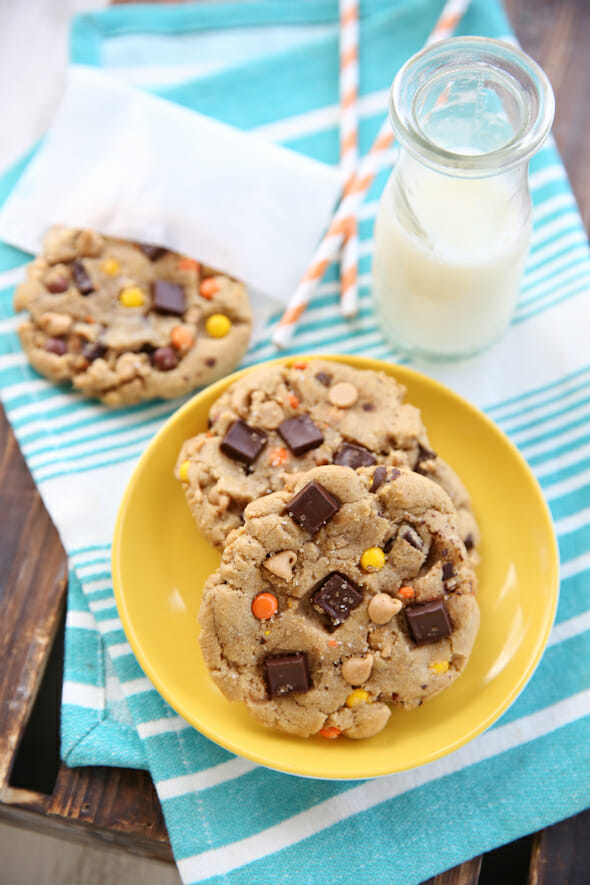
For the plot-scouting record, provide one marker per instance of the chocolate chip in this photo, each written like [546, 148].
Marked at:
[168, 297]
[447, 571]
[93, 351]
[152, 252]
[394, 473]
[242, 442]
[368, 407]
[324, 378]
[164, 359]
[469, 542]
[301, 434]
[378, 477]
[412, 537]
[287, 674]
[81, 278]
[312, 507]
[388, 545]
[210, 361]
[336, 596]
[351, 455]
[428, 621]
[424, 454]
[56, 345]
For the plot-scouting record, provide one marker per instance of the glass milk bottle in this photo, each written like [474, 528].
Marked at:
[453, 226]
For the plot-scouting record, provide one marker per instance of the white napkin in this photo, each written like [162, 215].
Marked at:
[133, 165]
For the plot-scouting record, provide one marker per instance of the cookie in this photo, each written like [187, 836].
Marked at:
[280, 419]
[342, 594]
[126, 322]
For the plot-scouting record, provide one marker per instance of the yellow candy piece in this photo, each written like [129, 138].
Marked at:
[439, 666]
[132, 297]
[111, 267]
[356, 697]
[183, 472]
[373, 559]
[218, 325]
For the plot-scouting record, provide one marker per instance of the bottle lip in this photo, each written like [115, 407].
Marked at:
[517, 72]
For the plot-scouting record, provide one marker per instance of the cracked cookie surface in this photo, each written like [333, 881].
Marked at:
[280, 419]
[126, 322]
[342, 594]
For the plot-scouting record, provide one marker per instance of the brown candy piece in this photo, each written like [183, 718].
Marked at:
[301, 434]
[351, 455]
[168, 297]
[428, 621]
[287, 674]
[336, 596]
[81, 278]
[164, 359]
[312, 507]
[242, 442]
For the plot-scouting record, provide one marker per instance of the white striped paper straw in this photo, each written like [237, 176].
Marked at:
[349, 87]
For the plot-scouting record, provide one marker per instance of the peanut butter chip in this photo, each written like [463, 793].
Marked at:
[357, 670]
[344, 394]
[281, 564]
[383, 607]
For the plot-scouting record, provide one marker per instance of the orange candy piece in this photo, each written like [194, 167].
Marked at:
[182, 338]
[209, 288]
[330, 732]
[406, 592]
[189, 264]
[293, 401]
[264, 606]
[300, 365]
[278, 456]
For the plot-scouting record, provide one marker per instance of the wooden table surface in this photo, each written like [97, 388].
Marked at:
[120, 806]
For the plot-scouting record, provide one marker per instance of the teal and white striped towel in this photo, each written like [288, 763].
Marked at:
[272, 67]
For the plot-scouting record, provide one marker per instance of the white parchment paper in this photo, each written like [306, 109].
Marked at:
[133, 165]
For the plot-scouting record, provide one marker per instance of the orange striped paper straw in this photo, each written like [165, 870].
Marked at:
[339, 227]
[349, 86]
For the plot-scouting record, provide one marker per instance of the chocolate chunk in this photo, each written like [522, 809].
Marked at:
[164, 358]
[301, 434]
[312, 507]
[388, 545]
[210, 361]
[152, 252]
[336, 596]
[242, 442]
[81, 278]
[324, 378]
[93, 350]
[412, 537]
[428, 621]
[447, 571]
[424, 454]
[469, 542]
[378, 477]
[287, 674]
[168, 297]
[351, 455]
[56, 345]
[368, 407]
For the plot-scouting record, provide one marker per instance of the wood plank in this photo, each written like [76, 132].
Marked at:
[465, 874]
[33, 574]
[561, 853]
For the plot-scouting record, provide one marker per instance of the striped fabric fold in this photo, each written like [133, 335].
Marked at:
[231, 821]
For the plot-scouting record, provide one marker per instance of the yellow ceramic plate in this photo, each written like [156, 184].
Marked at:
[160, 563]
